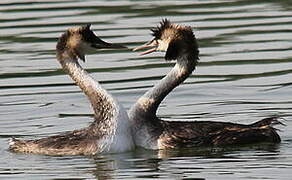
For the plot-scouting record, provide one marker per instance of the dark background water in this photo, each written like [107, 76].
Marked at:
[244, 75]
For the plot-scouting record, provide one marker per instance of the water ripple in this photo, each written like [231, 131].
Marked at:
[244, 74]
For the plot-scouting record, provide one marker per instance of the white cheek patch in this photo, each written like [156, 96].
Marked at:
[162, 45]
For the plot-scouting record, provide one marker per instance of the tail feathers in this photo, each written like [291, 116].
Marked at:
[258, 132]
[11, 142]
[16, 145]
[270, 121]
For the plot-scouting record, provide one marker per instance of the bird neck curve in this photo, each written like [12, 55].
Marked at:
[102, 102]
[148, 104]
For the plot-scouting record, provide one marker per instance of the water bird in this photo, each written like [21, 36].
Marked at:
[110, 131]
[150, 132]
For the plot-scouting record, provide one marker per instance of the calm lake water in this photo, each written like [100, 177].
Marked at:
[244, 74]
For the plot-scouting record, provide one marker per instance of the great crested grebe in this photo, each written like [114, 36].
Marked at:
[110, 131]
[150, 132]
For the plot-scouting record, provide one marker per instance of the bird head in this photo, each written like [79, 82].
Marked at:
[79, 41]
[175, 40]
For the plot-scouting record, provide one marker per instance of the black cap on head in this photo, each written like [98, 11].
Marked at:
[157, 32]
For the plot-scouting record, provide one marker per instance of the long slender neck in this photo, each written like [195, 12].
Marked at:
[149, 102]
[102, 103]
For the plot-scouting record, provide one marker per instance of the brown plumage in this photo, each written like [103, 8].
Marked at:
[206, 133]
[110, 131]
[78, 142]
[180, 44]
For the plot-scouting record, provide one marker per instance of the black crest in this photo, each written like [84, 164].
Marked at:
[87, 34]
[157, 32]
[85, 28]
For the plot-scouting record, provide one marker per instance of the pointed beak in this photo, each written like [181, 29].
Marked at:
[100, 44]
[151, 44]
